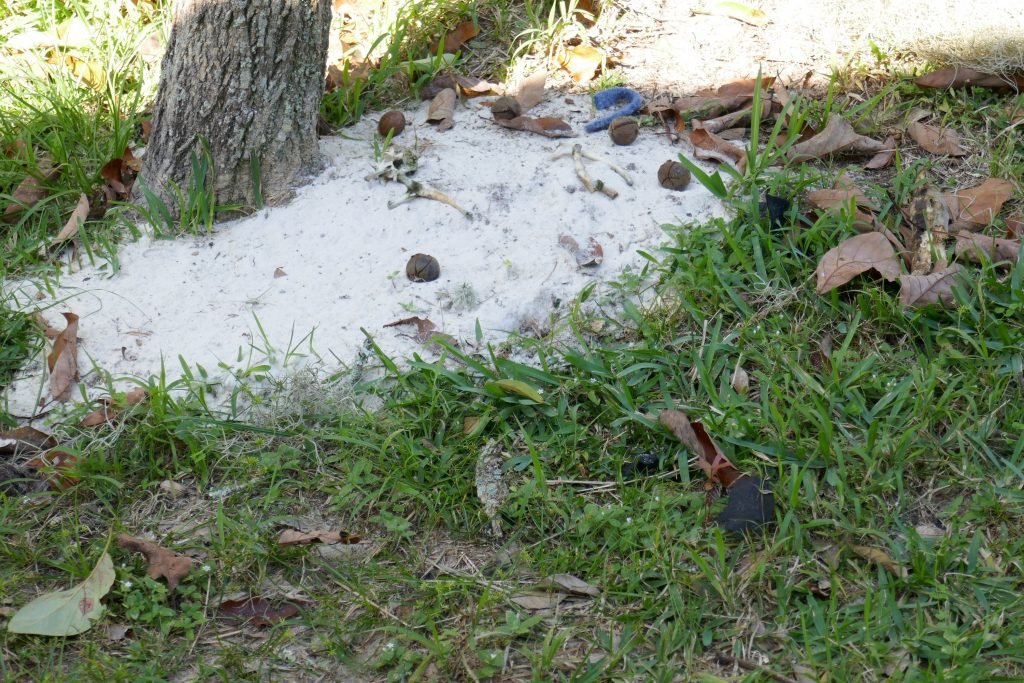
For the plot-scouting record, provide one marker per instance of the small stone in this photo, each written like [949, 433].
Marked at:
[422, 268]
[646, 463]
[623, 130]
[505, 108]
[673, 176]
[392, 123]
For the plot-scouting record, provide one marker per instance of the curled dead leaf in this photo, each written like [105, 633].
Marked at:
[936, 140]
[936, 288]
[547, 126]
[442, 109]
[880, 557]
[588, 257]
[78, 216]
[975, 247]
[707, 145]
[162, 562]
[531, 91]
[884, 157]
[63, 359]
[960, 77]
[856, 255]
[710, 457]
[837, 136]
[581, 61]
[976, 207]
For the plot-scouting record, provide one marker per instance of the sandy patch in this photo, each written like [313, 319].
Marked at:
[302, 281]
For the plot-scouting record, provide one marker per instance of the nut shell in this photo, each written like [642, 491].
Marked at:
[673, 175]
[506, 108]
[623, 130]
[392, 122]
[422, 268]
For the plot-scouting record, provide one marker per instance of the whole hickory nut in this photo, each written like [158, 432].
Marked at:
[422, 268]
[623, 130]
[393, 122]
[506, 108]
[673, 176]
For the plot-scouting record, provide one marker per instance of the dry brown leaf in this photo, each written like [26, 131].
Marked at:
[976, 207]
[463, 33]
[745, 86]
[78, 216]
[63, 359]
[860, 253]
[740, 381]
[707, 145]
[257, 611]
[112, 173]
[880, 557]
[936, 288]
[538, 600]
[442, 109]
[837, 136]
[936, 140]
[884, 157]
[581, 61]
[293, 537]
[109, 411]
[840, 199]
[568, 583]
[531, 91]
[710, 457]
[22, 440]
[959, 77]
[471, 86]
[56, 464]
[424, 327]
[1015, 227]
[162, 562]
[547, 126]
[30, 192]
[592, 256]
[975, 247]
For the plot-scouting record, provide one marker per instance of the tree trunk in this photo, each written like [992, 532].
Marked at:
[246, 77]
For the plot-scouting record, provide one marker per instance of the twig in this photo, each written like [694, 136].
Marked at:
[416, 189]
[753, 666]
[578, 151]
[588, 182]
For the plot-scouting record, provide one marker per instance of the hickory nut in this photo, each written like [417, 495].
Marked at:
[506, 108]
[673, 176]
[393, 122]
[422, 268]
[623, 130]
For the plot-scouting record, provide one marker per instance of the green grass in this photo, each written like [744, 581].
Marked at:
[900, 431]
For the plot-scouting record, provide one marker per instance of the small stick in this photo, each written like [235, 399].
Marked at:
[588, 182]
[753, 666]
[594, 157]
[416, 189]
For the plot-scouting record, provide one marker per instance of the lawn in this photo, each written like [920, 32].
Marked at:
[475, 517]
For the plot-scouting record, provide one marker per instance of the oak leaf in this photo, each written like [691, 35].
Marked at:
[162, 562]
[936, 140]
[936, 288]
[858, 254]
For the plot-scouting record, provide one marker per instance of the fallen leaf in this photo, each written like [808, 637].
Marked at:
[1015, 227]
[162, 562]
[884, 157]
[922, 290]
[538, 600]
[837, 136]
[856, 255]
[471, 86]
[67, 612]
[294, 537]
[745, 86]
[514, 386]
[567, 583]
[257, 611]
[590, 257]
[880, 557]
[976, 207]
[547, 126]
[707, 145]
[702, 107]
[424, 327]
[442, 109]
[960, 77]
[116, 632]
[462, 33]
[710, 457]
[279, 272]
[78, 216]
[531, 91]
[740, 381]
[975, 247]
[55, 465]
[110, 410]
[731, 9]
[112, 173]
[936, 140]
[581, 61]
[837, 199]
[63, 359]
[22, 440]
[30, 192]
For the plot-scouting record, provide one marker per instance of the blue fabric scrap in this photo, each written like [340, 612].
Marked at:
[610, 97]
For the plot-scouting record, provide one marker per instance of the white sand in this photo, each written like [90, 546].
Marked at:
[343, 255]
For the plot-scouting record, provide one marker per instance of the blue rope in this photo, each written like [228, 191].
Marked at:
[612, 96]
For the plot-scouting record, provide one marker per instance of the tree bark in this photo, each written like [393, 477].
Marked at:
[246, 77]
